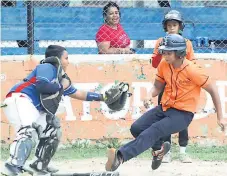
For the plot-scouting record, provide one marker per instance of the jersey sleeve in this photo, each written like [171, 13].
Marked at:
[156, 56]
[157, 44]
[190, 52]
[160, 72]
[45, 72]
[198, 76]
[70, 90]
[102, 35]
[45, 76]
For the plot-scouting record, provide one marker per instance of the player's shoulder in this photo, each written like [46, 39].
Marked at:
[46, 66]
[193, 67]
[187, 40]
[188, 43]
[159, 42]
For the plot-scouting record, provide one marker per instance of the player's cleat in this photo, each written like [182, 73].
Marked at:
[114, 161]
[159, 154]
[38, 172]
[52, 169]
[184, 158]
[167, 158]
[11, 170]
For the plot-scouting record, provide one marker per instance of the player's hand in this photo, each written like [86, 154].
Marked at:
[133, 51]
[147, 103]
[128, 51]
[222, 123]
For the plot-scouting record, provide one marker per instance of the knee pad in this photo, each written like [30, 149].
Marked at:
[52, 132]
[22, 146]
[47, 148]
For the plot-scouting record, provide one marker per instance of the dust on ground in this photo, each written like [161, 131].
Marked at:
[142, 167]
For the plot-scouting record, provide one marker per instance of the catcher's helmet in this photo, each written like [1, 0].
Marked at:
[173, 15]
[54, 50]
[173, 42]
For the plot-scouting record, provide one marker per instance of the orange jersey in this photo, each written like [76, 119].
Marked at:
[156, 57]
[183, 85]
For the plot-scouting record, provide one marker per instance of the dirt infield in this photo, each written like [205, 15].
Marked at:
[141, 167]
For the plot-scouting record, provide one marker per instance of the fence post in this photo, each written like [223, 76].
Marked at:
[30, 27]
[139, 43]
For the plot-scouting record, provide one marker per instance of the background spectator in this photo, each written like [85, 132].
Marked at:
[111, 37]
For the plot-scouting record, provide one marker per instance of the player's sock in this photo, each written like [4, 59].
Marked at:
[182, 150]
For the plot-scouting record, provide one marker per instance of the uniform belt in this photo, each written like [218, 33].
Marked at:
[11, 93]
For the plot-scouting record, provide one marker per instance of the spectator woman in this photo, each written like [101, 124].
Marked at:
[111, 37]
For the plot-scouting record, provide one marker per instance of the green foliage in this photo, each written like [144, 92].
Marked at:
[81, 149]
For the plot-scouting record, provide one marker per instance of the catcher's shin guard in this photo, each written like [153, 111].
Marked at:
[46, 150]
[22, 146]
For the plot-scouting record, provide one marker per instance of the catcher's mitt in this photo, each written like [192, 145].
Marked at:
[115, 97]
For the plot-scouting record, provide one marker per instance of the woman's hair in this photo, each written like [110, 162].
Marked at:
[107, 6]
[54, 50]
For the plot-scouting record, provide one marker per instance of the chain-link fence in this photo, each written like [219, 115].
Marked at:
[80, 25]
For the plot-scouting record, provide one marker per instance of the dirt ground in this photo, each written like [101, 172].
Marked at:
[141, 167]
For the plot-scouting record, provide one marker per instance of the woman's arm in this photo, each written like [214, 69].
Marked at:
[104, 48]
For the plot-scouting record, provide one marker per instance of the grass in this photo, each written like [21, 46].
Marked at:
[211, 153]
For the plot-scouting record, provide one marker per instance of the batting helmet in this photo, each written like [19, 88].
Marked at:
[173, 42]
[173, 15]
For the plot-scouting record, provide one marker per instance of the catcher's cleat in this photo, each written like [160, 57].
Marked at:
[46, 172]
[114, 160]
[52, 169]
[11, 170]
[159, 154]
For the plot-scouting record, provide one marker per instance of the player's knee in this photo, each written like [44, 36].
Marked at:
[135, 130]
[22, 145]
[58, 133]
[55, 133]
[28, 133]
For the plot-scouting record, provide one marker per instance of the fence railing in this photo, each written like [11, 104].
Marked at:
[29, 26]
